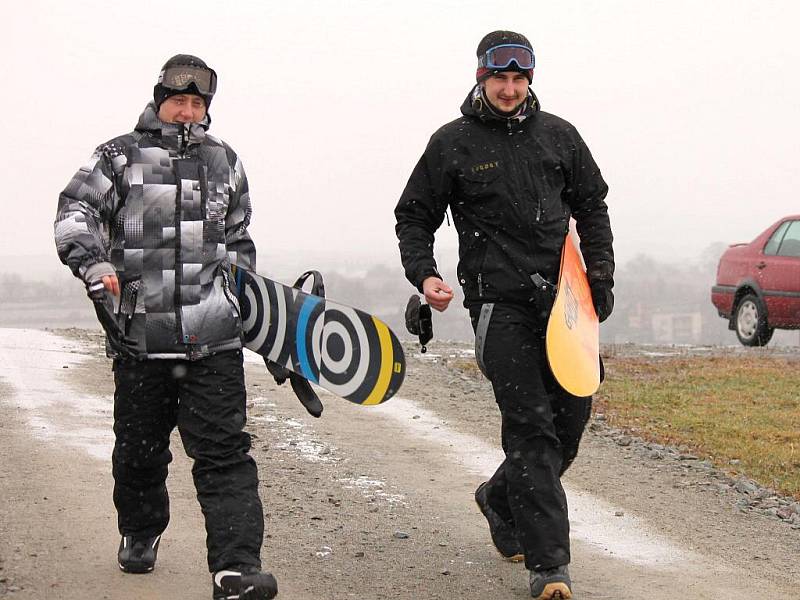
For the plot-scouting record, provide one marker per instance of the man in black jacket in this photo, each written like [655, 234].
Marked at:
[512, 177]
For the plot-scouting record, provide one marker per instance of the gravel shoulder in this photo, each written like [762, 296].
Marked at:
[358, 505]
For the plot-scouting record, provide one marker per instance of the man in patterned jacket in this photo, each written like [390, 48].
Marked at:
[156, 219]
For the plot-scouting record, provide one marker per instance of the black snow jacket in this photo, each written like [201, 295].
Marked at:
[511, 185]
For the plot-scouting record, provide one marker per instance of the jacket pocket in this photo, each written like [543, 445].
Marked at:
[545, 181]
[229, 290]
[472, 263]
[215, 202]
[481, 182]
[129, 298]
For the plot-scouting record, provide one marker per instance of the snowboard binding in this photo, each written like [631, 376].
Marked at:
[301, 387]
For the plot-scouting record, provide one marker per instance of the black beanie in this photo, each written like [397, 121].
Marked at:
[161, 93]
[498, 38]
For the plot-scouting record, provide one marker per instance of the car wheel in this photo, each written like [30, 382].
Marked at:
[752, 328]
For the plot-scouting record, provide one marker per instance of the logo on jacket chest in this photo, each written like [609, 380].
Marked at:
[484, 166]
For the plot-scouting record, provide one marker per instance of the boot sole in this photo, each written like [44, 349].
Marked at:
[136, 569]
[555, 591]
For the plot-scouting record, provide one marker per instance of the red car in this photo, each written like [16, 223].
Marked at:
[758, 284]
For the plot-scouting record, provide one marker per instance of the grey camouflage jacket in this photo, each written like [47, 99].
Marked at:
[168, 206]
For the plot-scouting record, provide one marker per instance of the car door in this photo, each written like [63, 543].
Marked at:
[778, 273]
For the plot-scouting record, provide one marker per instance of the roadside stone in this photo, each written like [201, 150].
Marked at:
[745, 487]
[401, 535]
[765, 493]
[323, 552]
[745, 495]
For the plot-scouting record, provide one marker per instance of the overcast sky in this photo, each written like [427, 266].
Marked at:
[690, 108]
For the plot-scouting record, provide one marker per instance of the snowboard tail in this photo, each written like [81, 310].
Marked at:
[573, 330]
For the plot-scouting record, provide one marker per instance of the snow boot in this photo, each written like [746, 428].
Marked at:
[137, 554]
[551, 584]
[244, 583]
[503, 536]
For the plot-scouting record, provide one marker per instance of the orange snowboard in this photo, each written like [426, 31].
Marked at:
[573, 331]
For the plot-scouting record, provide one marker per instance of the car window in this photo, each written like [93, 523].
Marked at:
[790, 245]
[771, 248]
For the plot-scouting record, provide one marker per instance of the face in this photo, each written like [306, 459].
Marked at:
[182, 108]
[506, 90]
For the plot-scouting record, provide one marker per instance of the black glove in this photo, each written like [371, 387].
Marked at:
[603, 298]
[302, 389]
[418, 321]
[123, 345]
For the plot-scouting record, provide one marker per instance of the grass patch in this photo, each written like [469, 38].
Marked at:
[725, 408]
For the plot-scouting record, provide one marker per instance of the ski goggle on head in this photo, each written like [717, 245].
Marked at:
[179, 77]
[501, 57]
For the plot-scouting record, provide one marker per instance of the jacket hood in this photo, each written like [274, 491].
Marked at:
[150, 123]
[477, 106]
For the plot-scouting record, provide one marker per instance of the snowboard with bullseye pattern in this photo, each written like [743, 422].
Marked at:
[344, 350]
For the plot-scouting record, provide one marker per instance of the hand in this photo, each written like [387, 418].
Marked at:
[603, 299]
[437, 293]
[111, 283]
[99, 278]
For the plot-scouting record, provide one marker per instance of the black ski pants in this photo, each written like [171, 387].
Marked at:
[205, 399]
[541, 429]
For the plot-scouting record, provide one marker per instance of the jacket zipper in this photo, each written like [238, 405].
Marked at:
[229, 294]
[184, 141]
[178, 250]
[526, 173]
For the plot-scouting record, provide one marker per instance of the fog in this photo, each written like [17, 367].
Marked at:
[689, 108]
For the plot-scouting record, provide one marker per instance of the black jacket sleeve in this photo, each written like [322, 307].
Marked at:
[420, 212]
[585, 194]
